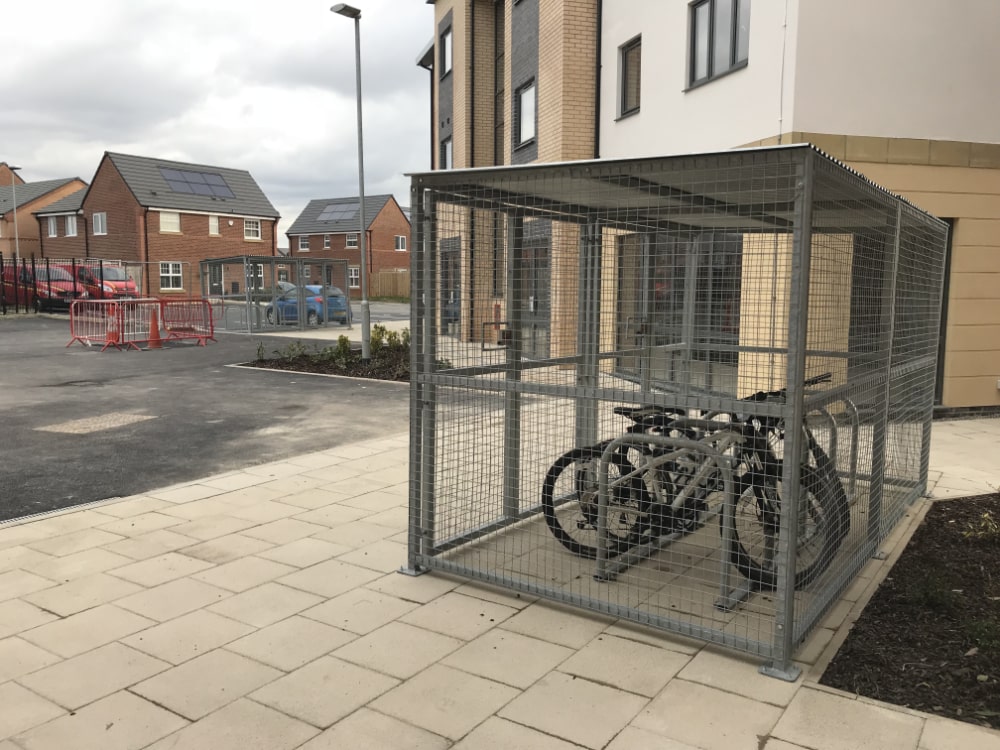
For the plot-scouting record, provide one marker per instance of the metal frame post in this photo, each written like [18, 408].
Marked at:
[512, 397]
[781, 665]
[588, 330]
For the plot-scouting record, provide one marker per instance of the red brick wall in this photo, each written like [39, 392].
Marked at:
[63, 247]
[388, 223]
[194, 244]
[110, 194]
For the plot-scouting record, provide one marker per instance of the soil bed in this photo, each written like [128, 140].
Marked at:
[381, 367]
[929, 639]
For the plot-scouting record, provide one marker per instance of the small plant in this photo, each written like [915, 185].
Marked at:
[985, 529]
[260, 350]
[293, 351]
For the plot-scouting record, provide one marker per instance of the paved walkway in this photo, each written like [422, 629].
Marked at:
[261, 609]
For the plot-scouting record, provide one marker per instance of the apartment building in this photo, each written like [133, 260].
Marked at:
[908, 104]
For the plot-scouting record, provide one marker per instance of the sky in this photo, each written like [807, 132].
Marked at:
[264, 86]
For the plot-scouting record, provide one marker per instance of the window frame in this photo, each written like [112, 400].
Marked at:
[447, 155]
[248, 233]
[354, 277]
[351, 241]
[519, 119]
[735, 61]
[174, 214]
[71, 226]
[625, 74]
[174, 270]
[326, 242]
[213, 225]
[447, 52]
[397, 242]
[304, 243]
[53, 226]
[99, 223]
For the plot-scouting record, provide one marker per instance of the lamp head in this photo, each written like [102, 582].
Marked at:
[346, 10]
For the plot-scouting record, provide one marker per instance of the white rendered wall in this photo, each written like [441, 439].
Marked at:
[744, 106]
[897, 68]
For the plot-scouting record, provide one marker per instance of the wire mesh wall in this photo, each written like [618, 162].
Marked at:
[614, 364]
[252, 294]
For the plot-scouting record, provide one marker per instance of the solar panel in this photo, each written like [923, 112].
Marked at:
[338, 212]
[196, 183]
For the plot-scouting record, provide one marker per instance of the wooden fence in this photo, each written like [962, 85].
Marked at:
[390, 283]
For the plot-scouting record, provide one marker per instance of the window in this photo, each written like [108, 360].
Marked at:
[524, 116]
[352, 240]
[213, 224]
[304, 244]
[71, 226]
[354, 277]
[53, 226]
[446, 52]
[446, 154]
[171, 276]
[255, 276]
[326, 242]
[251, 229]
[720, 38]
[196, 183]
[401, 242]
[630, 66]
[100, 223]
[170, 221]
[306, 271]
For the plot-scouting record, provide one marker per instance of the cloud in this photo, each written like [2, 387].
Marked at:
[239, 83]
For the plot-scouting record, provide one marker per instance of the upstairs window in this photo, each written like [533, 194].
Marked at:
[630, 64]
[251, 229]
[71, 226]
[446, 52]
[304, 244]
[213, 224]
[326, 242]
[447, 155]
[720, 38]
[401, 242]
[352, 240]
[100, 223]
[524, 116]
[53, 226]
[170, 221]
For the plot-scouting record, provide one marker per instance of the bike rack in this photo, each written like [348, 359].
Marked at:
[608, 569]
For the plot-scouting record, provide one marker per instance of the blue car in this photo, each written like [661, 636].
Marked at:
[336, 307]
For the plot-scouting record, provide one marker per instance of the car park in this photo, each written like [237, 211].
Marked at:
[104, 281]
[42, 288]
[285, 309]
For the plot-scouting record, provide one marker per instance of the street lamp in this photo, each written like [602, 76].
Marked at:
[13, 197]
[349, 11]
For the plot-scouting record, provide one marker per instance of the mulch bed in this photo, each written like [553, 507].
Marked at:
[385, 365]
[929, 639]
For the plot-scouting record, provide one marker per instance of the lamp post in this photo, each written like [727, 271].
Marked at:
[13, 197]
[351, 12]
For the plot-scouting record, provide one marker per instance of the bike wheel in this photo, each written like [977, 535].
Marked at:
[757, 526]
[570, 502]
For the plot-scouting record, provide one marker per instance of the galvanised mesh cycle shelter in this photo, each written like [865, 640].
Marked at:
[616, 365]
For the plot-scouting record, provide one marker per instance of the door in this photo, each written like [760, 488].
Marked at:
[215, 286]
[450, 294]
[536, 301]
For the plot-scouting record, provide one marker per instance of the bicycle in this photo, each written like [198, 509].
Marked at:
[657, 490]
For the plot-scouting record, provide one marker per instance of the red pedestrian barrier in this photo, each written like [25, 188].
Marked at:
[128, 323]
[188, 319]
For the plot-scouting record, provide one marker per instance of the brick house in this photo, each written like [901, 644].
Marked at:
[167, 216]
[328, 228]
[31, 197]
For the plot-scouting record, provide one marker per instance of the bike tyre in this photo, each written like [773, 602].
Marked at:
[833, 509]
[631, 493]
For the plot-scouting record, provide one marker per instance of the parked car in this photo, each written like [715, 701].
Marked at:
[43, 289]
[104, 281]
[267, 294]
[287, 304]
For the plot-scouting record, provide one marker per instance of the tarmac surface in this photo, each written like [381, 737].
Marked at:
[78, 425]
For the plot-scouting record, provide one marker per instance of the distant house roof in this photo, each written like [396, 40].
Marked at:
[337, 215]
[71, 204]
[181, 186]
[30, 191]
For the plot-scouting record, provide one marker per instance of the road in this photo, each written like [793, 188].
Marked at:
[154, 418]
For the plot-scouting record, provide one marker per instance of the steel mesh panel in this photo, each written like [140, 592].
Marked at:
[692, 392]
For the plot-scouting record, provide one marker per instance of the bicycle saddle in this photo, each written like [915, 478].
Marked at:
[647, 413]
